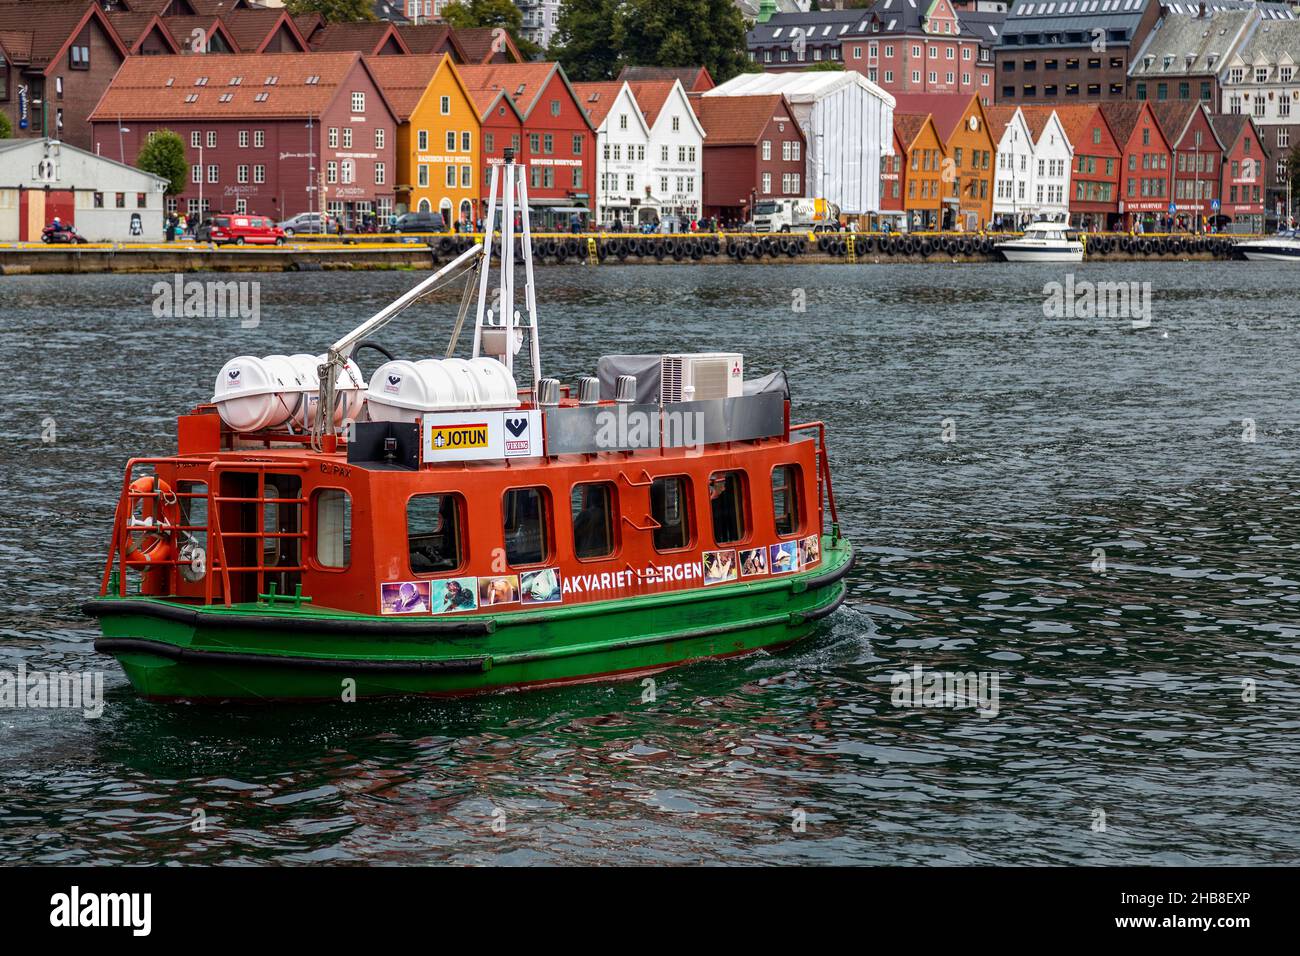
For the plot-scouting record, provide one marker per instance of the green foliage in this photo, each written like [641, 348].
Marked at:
[164, 156]
[334, 11]
[824, 66]
[6, 130]
[464, 14]
[597, 38]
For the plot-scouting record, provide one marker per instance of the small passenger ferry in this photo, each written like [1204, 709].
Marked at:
[1283, 247]
[438, 529]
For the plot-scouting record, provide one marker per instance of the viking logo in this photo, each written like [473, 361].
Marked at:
[393, 384]
[517, 426]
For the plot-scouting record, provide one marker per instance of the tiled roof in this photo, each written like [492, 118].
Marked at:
[651, 95]
[1123, 119]
[597, 98]
[477, 43]
[425, 37]
[999, 117]
[251, 28]
[522, 82]
[737, 120]
[908, 127]
[1173, 117]
[1037, 117]
[694, 79]
[131, 26]
[182, 28]
[404, 80]
[47, 24]
[157, 87]
[18, 44]
[948, 109]
[368, 38]
[1228, 127]
[1075, 120]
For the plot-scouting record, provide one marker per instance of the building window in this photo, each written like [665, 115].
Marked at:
[489, 142]
[422, 175]
[347, 137]
[331, 172]
[670, 509]
[379, 174]
[451, 176]
[79, 57]
[767, 184]
[379, 137]
[785, 499]
[444, 105]
[524, 523]
[358, 102]
[592, 507]
[451, 141]
[212, 139]
[767, 150]
[434, 542]
[577, 145]
[243, 139]
[259, 173]
[347, 171]
[196, 173]
[214, 173]
[467, 176]
[241, 173]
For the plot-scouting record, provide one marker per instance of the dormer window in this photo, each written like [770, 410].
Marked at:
[79, 57]
[1261, 74]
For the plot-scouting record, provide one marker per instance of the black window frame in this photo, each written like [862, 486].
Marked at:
[741, 511]
[794, 492]
[547, 508]
[687, 513]
[460, 510]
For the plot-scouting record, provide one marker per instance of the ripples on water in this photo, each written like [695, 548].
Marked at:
[1120, 692]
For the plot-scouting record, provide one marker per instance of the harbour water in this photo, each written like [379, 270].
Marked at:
[1106, 517]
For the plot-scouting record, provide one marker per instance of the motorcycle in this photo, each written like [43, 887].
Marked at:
[61, 234]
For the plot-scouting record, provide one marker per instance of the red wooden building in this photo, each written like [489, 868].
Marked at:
[1146, 167]
[1197, 161]
[753, 150]
[1095, 176]
[549, 131]
[1243, 170]
[270, 134]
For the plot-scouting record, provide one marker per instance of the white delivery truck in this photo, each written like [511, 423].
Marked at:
[794, 215]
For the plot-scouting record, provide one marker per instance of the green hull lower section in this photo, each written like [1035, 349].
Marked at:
[257, 652]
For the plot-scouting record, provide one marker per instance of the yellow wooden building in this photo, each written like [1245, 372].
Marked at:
[438, 139]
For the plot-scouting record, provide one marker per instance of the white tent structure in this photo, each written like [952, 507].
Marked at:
[848, 122]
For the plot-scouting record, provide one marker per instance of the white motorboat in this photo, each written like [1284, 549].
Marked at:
[1043, 242]
[1284, 247]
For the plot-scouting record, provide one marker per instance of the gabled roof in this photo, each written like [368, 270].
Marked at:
[134, 28]
[1075, 120]
[1123, 119]
[947, 109]
[182, 30]
[1184, 45]
[49, 26]
[367, 38]
[651, 95]
[804, 86]
[405, 80]
[481, 45]
[486, 101]
[1037, 118]
[254, 29]
[999, 118]
[738, 120]
[908, 127]
[523, 83]
[694, 79]
[157, 87]
[598, 98]
[431, 38]
[18, 45]
[1174, 116]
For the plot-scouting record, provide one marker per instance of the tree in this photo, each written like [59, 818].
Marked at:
[164, 156]
[5, 129]
[1293, 170]
[824, 66]
[467, 14]
[333, 11]
[597, 38]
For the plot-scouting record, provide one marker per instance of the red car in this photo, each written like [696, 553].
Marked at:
[239, 229]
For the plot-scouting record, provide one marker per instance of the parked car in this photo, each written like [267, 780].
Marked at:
[310, 223]
[420, 222]
[239, 229]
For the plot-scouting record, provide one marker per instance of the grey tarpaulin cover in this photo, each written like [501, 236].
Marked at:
[646, 369]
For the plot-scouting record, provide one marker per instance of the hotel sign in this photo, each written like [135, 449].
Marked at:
[23, 101]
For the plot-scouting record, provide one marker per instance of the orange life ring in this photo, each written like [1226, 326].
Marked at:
[154, 514]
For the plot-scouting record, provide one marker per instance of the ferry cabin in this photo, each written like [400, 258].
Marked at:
[379, 538]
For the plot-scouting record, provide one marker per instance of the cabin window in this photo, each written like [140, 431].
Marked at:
[433, 533]
[670, 508]
[280, 518]
[592, 506]
[524, 514]
[785, 498]
[727, 502]
[333, 508]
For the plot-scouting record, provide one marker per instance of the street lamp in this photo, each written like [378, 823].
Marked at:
[121, 147]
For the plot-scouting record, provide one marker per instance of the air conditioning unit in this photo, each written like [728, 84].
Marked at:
[701, 375]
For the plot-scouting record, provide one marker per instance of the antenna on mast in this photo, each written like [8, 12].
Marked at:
[500, 331]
